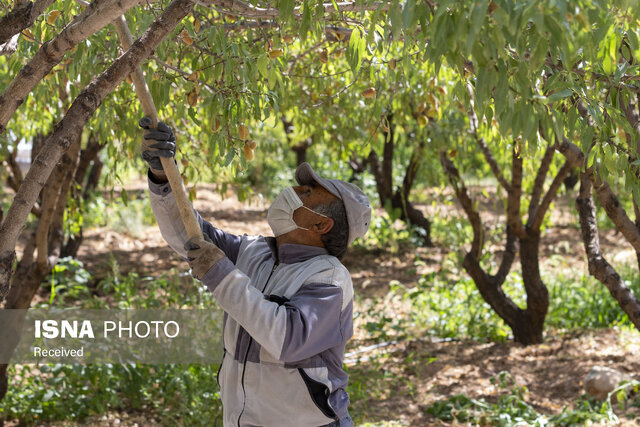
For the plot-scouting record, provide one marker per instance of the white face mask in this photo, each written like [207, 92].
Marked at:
[280, 213]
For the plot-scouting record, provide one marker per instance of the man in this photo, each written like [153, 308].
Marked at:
[287, 299]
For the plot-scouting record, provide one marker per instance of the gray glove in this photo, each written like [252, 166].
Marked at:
[160, 142]
[202, 255]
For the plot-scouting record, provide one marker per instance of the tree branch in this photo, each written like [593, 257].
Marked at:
[488, 155]
[79, 113]
[538, 184]
[89, 21]
[598, 265]
[14, 178]
[10, 46]
[87, 155]
[571, 152]
[69, 165]
[633, 117]
[614, 210]
[549, 196]
[515, 193]
[21, 17]
[508, 257]
[50, 195]
[462, 193]
[412, 169]
[387, 157]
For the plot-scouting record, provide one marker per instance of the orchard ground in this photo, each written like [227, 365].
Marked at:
[396, 382]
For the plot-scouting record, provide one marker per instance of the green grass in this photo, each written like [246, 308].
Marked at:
[511, 407]
[447, 304]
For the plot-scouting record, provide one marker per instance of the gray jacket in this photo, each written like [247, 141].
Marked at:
[288, 316]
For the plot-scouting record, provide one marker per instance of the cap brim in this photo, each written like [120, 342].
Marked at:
[305, 175]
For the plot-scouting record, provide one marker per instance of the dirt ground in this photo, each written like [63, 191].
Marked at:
[553, 372]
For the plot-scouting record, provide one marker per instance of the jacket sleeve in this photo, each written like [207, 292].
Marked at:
[165, 209]
[293, 330]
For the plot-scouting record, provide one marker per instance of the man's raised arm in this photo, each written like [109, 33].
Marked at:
[158, 143]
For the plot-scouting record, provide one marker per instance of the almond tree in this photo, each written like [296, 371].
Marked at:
[220, 70]
[551, 76]
[64, 140]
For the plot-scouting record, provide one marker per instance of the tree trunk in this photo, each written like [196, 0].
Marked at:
[4, 384]
[83, 189]
[383, 172]
[6, 271]
[529, 329]
[376, 171]
[527, 324]
[301, 148]
[358, 166]
[301, 151]
[411, 215]
[400, 200]
[491, 290]
[72, 245]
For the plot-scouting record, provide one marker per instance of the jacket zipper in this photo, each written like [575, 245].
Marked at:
[246, 355]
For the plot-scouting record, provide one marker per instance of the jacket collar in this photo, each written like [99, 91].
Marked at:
[290, 253]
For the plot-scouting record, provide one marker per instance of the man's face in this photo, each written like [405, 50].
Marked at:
[311, 196]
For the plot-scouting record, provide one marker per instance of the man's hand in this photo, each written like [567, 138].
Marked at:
[202, 255]
[157, 143]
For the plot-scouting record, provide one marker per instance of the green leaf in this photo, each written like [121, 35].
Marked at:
[285, 9]
[591, 158]
[194, 116]
[502, 87]
[408, 13]
[478, 14]
[559, 95]
[262, 65]
[229, 158]
[124, 197]
[554, 29]
[395, 14]
[632, 38]
[272, 77]
[306, 20]
[355, 50]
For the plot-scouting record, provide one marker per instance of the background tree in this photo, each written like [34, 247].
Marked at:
[541, 71]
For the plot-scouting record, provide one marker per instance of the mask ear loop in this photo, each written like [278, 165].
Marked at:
[311, 210]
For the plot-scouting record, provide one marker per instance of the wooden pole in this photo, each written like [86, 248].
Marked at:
[168, 164]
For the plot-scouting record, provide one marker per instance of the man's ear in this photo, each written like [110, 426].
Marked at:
[323, 226]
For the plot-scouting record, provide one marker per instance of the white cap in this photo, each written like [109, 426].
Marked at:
[356, 203]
